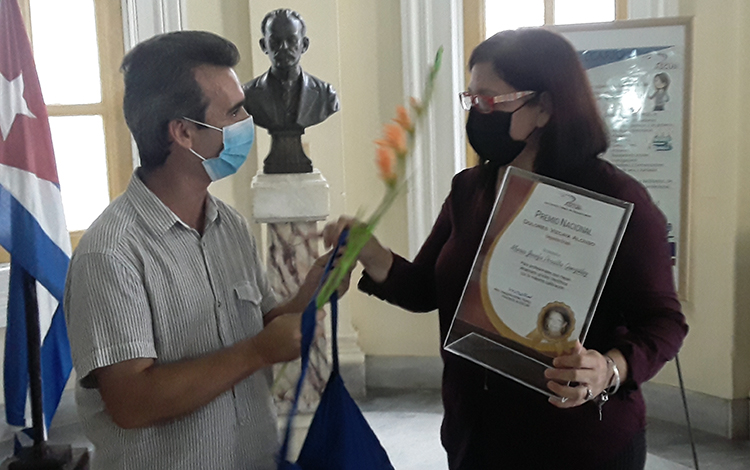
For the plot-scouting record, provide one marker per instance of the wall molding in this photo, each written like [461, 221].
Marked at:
[724, 417]
[652, 8]
[439, 151]
[142, 19]
[403, 372]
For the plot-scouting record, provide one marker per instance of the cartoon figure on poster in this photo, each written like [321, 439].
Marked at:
[660, 95]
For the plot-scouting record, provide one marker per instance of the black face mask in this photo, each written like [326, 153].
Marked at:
[489, 136]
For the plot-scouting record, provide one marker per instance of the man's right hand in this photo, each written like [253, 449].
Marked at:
[140, 393]
[280, 340]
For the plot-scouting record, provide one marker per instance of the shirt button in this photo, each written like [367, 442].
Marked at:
[218, 304]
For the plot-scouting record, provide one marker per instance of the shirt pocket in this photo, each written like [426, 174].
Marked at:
[247, 300]
[252, 396]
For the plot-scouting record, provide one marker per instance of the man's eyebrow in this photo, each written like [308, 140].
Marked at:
[236, 107]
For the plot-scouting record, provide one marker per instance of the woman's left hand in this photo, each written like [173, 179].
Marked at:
[313, 280]
[586, 367]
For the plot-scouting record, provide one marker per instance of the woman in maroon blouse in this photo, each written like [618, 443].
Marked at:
[531, 106]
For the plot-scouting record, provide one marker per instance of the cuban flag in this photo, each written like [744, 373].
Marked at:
[32, 223]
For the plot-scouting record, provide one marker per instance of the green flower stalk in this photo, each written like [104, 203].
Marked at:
[393, 149]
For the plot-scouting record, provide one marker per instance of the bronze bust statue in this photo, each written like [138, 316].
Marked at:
[285, 100]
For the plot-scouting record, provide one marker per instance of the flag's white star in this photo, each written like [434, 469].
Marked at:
[12, 103]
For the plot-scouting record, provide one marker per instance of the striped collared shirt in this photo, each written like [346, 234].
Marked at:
[143, 284]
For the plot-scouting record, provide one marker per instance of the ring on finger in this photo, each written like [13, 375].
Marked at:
[563, 399]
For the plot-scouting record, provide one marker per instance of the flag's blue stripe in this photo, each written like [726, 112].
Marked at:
[55, 358]
[56, 364]
[34, 252]
[29, 245]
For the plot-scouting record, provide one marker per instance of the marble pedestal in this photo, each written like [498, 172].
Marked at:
[291, 205]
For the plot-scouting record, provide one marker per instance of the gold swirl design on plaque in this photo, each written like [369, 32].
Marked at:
[484, 287]
[555, 343]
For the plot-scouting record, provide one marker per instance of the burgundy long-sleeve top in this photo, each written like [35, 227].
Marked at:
[492, 422]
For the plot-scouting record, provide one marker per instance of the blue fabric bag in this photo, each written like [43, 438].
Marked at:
[339, 437]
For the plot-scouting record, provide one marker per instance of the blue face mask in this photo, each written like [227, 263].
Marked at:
[238, 138]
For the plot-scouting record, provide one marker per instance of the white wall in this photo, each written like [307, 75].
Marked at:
[716, 358]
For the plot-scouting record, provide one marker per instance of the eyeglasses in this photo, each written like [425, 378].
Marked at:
[486, 104]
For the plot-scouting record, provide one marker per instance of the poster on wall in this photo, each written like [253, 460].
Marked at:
[640, 74]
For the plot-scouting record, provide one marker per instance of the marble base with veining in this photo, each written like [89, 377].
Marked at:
[291, 205]
[298, 197]
[292, 249]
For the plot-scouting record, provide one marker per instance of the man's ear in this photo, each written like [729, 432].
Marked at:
[305, 44]
[263, 47]
[545, 109]
[180, 133]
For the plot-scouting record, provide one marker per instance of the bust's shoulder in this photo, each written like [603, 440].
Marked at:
[311, 81]
[258, 83]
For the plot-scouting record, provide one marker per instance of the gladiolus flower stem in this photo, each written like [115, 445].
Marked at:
[360, 234]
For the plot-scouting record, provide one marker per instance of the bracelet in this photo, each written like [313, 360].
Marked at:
[615, 376]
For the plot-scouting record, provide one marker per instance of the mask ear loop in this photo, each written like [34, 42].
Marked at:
[198, 155]
[517, 109]
[204, 124]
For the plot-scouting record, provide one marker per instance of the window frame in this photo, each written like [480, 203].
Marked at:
[118, 147]
[475, 32]
[621, 11]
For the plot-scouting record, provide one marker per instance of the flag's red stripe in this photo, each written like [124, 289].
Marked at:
[29, 144]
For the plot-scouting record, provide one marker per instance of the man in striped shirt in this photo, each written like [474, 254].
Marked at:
[172, 323]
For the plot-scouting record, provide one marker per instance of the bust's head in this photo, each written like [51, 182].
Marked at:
[284, 40]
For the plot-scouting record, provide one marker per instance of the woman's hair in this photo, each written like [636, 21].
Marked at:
[539, 60]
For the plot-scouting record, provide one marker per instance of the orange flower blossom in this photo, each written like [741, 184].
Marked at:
[386, 159]
[403, 119]
[391, 153]
[396, 138]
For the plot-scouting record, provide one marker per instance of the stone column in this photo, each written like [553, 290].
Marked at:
[291, 205]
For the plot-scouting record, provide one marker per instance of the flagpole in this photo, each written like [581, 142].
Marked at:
[33, 341]
[40, 456]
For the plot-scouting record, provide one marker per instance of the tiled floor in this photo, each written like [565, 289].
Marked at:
[408, 422]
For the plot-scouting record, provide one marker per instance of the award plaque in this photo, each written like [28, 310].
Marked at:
[537, 277]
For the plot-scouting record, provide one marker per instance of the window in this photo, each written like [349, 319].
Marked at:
[78, 47]
[483, 18]
[500, 15]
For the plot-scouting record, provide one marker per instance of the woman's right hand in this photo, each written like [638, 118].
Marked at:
[375, 258]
